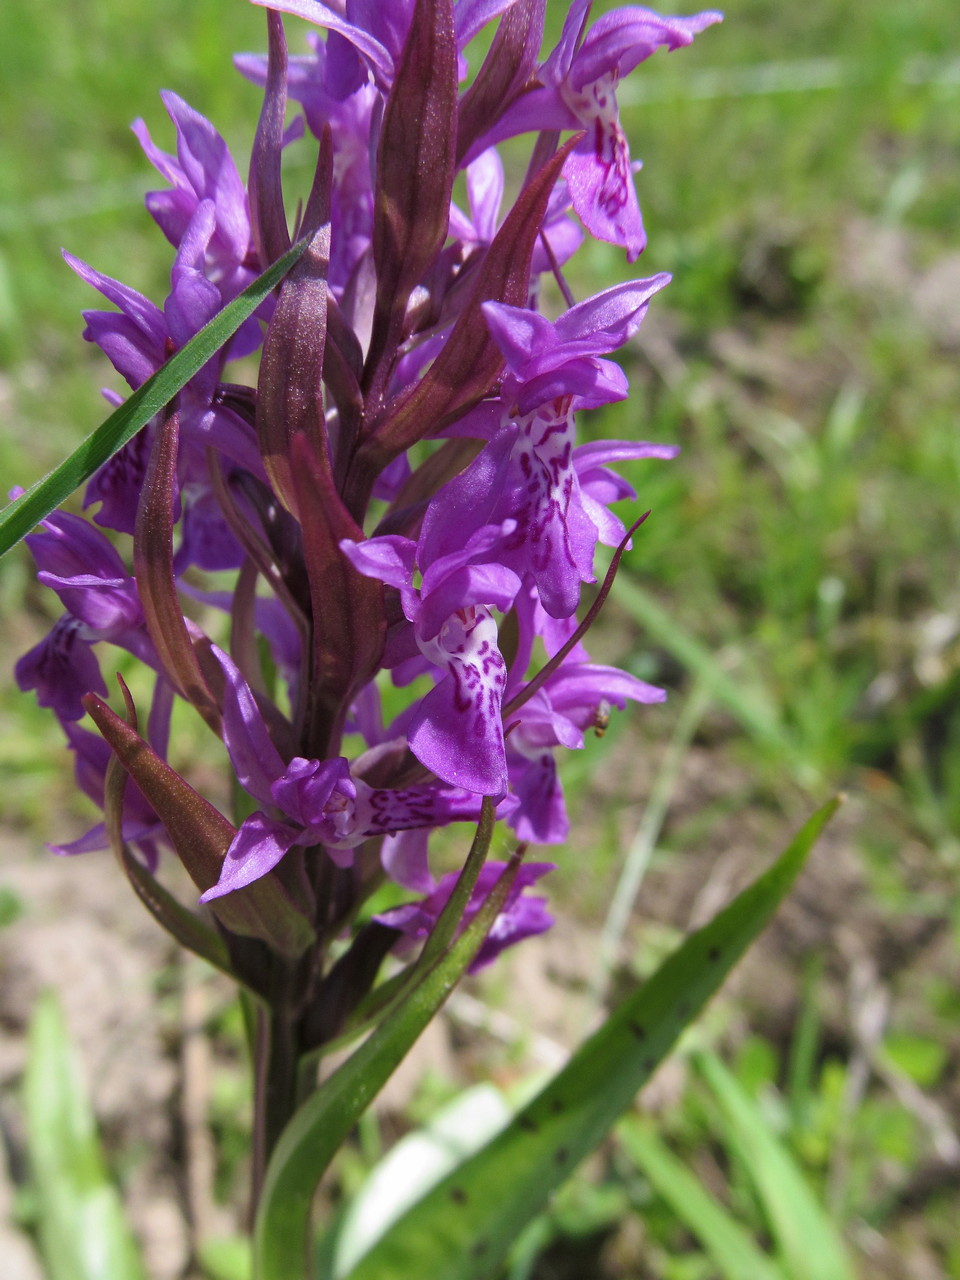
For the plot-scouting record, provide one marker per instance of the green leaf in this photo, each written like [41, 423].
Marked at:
[83, 1234]
[805, 1237]
[317, 1130]
[125, 421]
[463, 1229]
[731, 1248]
[411, 1168]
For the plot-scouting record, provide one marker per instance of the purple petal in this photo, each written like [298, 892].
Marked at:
[464, 588]
[211, 171]
[485, 193]
[373, 51]
[607, 320]
[520, 917]
[305, 787]
[69, 546]
[194, 299]
[457, 731]
[254, 757]
[466, 503]
[255, 850]
[541, 816]
[390, 558]
[621, 39]
[404, 858]
[118, 484]
[578, 689]
[147, 317]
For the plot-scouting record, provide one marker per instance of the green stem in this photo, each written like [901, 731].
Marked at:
[276, 1067]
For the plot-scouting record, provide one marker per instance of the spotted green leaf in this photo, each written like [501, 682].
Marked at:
[463, 1228]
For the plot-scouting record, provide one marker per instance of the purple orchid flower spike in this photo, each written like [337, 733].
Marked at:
[395, 500]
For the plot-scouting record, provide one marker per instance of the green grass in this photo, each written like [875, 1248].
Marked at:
[801, 557]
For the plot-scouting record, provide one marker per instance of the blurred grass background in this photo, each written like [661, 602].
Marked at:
[795, 589]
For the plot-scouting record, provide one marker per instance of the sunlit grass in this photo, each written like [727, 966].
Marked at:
[802, 549]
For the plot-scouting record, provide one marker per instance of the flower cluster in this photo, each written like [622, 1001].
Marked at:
[400, 505]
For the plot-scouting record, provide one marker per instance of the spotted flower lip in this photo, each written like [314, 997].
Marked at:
[457, 731]
[578, 91]
[530, 472]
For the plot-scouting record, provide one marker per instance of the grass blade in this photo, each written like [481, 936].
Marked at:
[123, 424]
[730, 1247]
[464, 1227]
[752, 705]
[805, 1236]
[83, 1235]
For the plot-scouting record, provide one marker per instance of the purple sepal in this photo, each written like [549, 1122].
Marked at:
[541, 815]
[255, 759]
[368, 44]
[77, 562]
[404, 859]
[255, 850]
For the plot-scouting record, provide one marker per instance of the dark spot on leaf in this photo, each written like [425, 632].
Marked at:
[561, 1155]
[556, 1106]
[713, 955]
[458, 1195]
[649, 1064]
[528, 1124]
[478, 1248]
[683, 1010]
[637, 1030]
